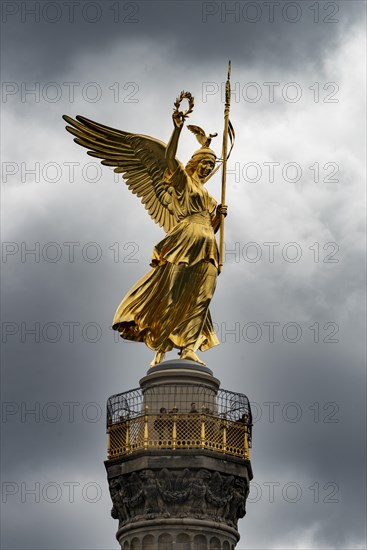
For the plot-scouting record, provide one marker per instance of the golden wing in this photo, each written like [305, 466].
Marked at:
[199, 133]
[140, 159]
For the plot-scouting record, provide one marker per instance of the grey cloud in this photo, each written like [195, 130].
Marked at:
[199, 32]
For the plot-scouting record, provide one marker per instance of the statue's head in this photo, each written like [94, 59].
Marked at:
[202, 163]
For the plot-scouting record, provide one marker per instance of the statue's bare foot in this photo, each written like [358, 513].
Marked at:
[191, 355]
[158, 358]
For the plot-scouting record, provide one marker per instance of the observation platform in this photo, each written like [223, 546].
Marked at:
[178, 462]
[171, 412]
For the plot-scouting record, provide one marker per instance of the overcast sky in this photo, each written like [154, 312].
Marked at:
[289, 305]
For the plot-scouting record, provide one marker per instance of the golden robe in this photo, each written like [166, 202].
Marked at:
[169, 306]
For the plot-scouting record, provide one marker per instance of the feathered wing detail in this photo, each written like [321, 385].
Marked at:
[199, 133]
[202, 138]
[140, 159]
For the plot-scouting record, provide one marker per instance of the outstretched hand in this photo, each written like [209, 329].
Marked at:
[222, 209]
[178, 116]
[178, 119]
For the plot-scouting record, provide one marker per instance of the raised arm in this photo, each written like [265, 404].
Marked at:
[171, 150]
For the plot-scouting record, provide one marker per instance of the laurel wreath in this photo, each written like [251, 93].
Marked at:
[184, 95]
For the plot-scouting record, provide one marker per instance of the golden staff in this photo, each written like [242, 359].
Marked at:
[224, 159]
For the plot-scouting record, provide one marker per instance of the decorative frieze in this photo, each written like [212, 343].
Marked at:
[200, 494]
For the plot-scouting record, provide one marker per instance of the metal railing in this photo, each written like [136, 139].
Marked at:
[178, 431]
[218, 421]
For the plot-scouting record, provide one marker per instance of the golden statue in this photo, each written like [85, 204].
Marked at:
[169, 306]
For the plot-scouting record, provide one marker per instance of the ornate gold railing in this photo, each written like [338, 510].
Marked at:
[178, 431]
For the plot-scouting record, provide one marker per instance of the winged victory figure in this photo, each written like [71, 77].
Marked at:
[169, 306]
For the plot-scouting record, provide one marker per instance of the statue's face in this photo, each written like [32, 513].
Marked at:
[205, 166]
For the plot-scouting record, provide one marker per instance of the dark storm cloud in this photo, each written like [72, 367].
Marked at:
[284, 36]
